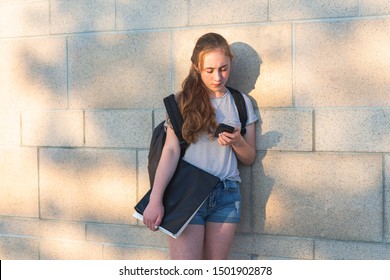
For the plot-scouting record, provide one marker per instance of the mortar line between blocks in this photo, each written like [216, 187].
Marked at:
[269, 11]
[49, 6]
[359, 9]
[188, 12]
[115, 14]
[172, 70]
[384, 198]
[67, 73]
[21, 128]
[313, 135]
[137, 181]
[38, 182]
[84, 129]
[293, 65]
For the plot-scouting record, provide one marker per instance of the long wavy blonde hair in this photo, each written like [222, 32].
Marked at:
[194, 101]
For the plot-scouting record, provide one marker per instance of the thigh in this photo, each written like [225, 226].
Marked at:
[189, 245]
[218, 240]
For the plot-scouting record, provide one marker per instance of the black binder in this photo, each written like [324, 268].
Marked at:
[184, 195]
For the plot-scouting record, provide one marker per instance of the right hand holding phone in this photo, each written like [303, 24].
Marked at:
[228, 135]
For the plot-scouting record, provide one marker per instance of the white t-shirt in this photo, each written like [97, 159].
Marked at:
[208, 154]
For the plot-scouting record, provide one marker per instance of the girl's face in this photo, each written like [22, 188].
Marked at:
[215, 72]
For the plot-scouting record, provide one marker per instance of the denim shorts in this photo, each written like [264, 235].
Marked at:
[222, 205]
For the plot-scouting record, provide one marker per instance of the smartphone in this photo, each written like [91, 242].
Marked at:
[223, 128]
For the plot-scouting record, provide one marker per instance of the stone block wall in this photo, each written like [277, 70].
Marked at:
[81, 88]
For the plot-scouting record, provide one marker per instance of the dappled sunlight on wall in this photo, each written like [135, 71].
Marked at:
[24, 19]
[81, 16]
[339, 64]
[33, 74]
[18, 184]
[119, 71]
[81, 88]
[87, 185]
[62, 128]
[322, 196]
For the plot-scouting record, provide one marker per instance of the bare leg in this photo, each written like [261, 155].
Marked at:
[218, 240]
[189, 245]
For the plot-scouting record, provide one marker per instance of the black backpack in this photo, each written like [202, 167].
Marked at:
[159, 133]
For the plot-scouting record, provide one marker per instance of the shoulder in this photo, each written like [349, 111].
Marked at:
[246, 98]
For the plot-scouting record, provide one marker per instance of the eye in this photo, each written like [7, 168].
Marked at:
[223, 69]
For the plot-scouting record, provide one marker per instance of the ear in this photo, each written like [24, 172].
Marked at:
[196, 68]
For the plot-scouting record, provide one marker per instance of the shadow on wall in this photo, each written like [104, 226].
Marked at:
[245, 68]
[36, 72]
[245, 71]
[74, 184]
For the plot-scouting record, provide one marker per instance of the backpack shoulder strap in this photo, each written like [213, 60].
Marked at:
[241, 107]
[176, 121]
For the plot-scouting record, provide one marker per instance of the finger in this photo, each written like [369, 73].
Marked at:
[221, 141]
[148, 224]
[225, 138]
[153, 225]
[158, 221]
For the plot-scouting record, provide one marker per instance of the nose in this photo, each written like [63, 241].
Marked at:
[217, 75]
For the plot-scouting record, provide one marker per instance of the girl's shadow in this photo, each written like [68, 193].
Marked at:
[245, 71]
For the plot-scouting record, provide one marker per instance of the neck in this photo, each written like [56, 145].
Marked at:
[217, 94]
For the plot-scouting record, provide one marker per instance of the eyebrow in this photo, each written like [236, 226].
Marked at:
[218, 67]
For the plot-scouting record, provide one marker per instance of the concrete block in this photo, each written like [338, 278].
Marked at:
[128, 235]
[387, 199]
[342, 63]
[9, 128]
[245, 257]
[17, 248]
[134, 253]
[262, 66]
[42, 228]
[159, 115]
[80, 16]
[336, 196]
[273, 246]
[355, 130]
[204, 12]
[119, 128]
[61, 230]
[33, 73]
[301, 9]
[24, 19]
[19, 182]
[372, 8]
[119, 71]
[246, 199]
[288, 130]
[69, 250]
[336, 250]
[139, 14]
[87, 184]
[19, 226]
[53, 128]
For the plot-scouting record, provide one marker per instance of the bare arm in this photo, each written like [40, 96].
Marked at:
[154, 212]
[243, 146]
